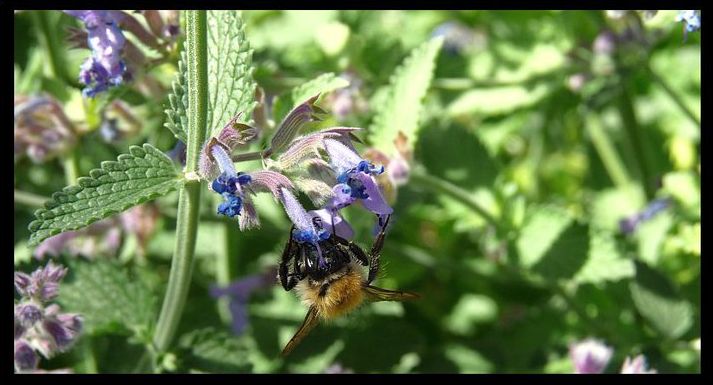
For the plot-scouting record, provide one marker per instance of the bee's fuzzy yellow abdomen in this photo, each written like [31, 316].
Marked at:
[341, 295]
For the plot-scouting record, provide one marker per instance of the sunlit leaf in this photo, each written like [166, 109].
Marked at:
[139, 176]
[407, 87]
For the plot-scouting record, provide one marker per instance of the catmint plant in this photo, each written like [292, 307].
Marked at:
[40, 327]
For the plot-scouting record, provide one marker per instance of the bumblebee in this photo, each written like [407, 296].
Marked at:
[329, 277]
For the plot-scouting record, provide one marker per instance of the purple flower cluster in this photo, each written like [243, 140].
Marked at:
[324, 165]
[39, 326]
[591, 356]
[42, 129]
[105, 67]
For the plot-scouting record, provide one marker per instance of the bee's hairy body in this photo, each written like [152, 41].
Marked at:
[335, 295]
[330, 279]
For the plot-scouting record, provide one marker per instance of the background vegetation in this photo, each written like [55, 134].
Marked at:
[537, 134]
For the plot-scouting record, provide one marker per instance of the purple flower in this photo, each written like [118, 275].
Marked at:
[25, 357]
[27, 315]
[42, 130]
[42, 285]
[105, 67]
[341, 226]
[239, 293]
[355, 180]
[40, 326]
[628, 225]
[590, 356]
[636, 366]
[228, 183]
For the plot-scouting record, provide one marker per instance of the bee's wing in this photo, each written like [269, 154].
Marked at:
[375, 294]
[311, 320]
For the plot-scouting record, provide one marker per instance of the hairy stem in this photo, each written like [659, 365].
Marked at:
[189, 200]
[438, 185]
[71, 167]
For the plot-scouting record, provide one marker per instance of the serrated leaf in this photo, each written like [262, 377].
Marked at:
[657, 300]
[552, 244]
[108, 297]
[320, 85]
[605, 261]
[214, 351]
[141, 175]
[406, 90]
[231, 88]
[177, 120]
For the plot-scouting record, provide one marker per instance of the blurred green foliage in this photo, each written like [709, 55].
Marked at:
[556, 139]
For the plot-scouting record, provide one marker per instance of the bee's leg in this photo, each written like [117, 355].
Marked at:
[287, 281]
[297, 270]
[354, 249]
[375, 252]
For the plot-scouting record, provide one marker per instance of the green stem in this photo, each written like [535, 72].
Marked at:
[51, 40]
[189, 199]
[437, 185]
[675, 97]
[607, 152]
[30, 199]
[71, 167]
[633, 130]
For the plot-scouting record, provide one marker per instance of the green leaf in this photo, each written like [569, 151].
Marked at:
[108, 297]
[214, 351]
[177, 119]
[141, 175]
[552, 244]
[403, 105]
[650, 236]
[320, 85]
[231, 88]
[605, 261]
[657, 300]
